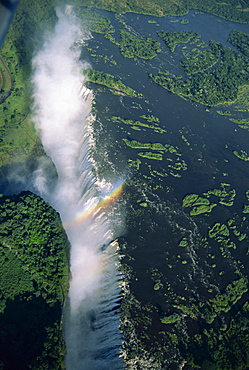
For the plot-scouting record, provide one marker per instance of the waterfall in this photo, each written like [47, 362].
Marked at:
[62, 114]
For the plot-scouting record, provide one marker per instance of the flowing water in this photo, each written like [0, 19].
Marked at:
[62, 112]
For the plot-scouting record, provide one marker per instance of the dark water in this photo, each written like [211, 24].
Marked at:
[208, 133]
[153, 232]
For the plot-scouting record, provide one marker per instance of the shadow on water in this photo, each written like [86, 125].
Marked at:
[23, 331]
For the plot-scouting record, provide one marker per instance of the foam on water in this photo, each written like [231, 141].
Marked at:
[62, 107]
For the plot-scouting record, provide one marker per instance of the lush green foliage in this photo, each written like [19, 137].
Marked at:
[214, 87]
[6, 83]
[109, 80]
[200, 61]
[241, 155]
[230, 9]
[218, 229]
[137, 145]
[240, 40]
[172, 39]
[93, 21]
[131, 46]
[32, 231]
[151, 155]
[34, 282]
[202, 204]
[139, 124]
[17, 136]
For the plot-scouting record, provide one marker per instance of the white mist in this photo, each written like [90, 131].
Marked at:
[62, 107]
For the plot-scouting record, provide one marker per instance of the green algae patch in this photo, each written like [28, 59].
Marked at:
[94, 21]
[184, 21]
[224, 112]
[201, 205]
[218, 229]
[172, 39]
[143, 204]
[150, 118]
[233, 292]
[138, 124]
[172, 319]
[242, 102]
[131, 46]
[134, 163]
[202, 209]
[183, 242]
[242, 123]
[199, 61]
[242, 154]
[201, 201]
[245, 208]
[110, 81]
[226, 194]
[151, 155]
[185, 140]
[157, 286]
[189, 199]
[138, 145]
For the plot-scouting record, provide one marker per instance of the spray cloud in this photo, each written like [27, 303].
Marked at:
[62, 106]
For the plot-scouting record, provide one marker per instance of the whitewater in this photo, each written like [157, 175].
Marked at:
[62, 114]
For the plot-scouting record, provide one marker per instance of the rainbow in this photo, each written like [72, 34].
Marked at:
[104, 202]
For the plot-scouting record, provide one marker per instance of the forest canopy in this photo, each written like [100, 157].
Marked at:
[34, 282]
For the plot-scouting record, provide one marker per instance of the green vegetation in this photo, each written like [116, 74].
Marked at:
[18, 139]
[131, 46]
[151, 155]
[183, 137]
[240, 40]
[233, 292]
[235, 228]
[183, 242]
[242, 102]
[184, 21]
[94, 21]
[170, 319]
[34, 283]
[225, 194]
[137, 145]
[202, 209]
[231, 9]
[17, 135]
[246, 208]
[200, 61]
[242, 154]
[136, 163]
[216, 86]
[215, 340]
[189, 200]
[175, 163]
[242, 123]
[138, 124]
[157, 286]
[6, 83]
[150, 118]
[224, 112]
[31, 231]
[218, 229]
[110, 81]
[201, 204]
[172, 39]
